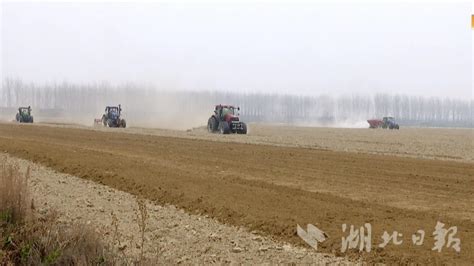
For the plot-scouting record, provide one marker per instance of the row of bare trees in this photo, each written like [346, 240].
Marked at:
[87, 98]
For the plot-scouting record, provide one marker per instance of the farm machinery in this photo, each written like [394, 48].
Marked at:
[24, 115]
[225, 120]
[112, 117]
[387, 122]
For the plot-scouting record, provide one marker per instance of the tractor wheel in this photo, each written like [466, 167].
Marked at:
[212, 124]
[243, 130]
[397, 127]
[123, 123]
[209, 124]
[104, 121]
[224, 128]
[17, 117]
[31, 119]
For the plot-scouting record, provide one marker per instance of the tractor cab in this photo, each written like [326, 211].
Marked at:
[24, 110]
[113, 110]
[223, 111]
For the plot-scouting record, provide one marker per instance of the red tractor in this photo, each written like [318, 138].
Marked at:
[226, 120]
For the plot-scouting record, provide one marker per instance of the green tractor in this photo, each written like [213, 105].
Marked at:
[24, 115]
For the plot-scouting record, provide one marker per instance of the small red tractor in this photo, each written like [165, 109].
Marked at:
[225, 120]
[386, 122]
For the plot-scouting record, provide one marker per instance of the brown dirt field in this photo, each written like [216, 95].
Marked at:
[172, 236]
[454, 144]
[271, 188]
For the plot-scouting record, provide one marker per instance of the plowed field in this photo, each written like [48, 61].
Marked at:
[272, 188]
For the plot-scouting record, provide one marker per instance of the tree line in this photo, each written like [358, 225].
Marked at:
[262, 107]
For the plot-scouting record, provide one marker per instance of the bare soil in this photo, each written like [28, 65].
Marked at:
[271, 189]
[455, 144]
[172, 236]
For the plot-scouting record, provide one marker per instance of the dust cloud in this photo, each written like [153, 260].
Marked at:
[144, 106]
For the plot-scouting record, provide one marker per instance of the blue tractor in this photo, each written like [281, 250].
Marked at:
[389, 122]
[112, 117]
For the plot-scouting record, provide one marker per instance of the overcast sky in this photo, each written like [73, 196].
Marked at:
[305, 49]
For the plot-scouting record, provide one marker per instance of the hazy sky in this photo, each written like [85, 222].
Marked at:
[423, 49]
